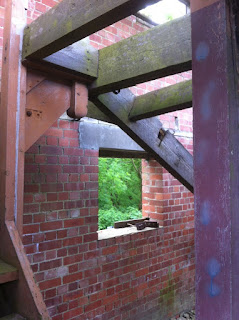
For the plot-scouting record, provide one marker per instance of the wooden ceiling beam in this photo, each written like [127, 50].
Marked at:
[155, 53]
[80, 58]
[71, 21]
[78, 62]
[168, 99]
[149, 134]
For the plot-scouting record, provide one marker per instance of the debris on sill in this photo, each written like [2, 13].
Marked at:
[128, 227]
[140, 224]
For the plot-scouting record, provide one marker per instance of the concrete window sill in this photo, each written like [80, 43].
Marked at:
[113, 233]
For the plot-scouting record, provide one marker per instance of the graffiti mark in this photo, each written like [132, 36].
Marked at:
[206, 107]
[213, 268]
[205, 213]
[203, 150]
[202, 51]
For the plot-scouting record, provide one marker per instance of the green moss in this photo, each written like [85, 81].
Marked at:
[55, 23]
[167, 295]
[69, 26]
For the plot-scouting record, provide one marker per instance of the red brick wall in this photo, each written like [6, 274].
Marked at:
[164, 198]
[148, 275]
[84, 278]
[162, 193]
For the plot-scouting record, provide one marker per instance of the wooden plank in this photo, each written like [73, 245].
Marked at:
[155, 53]
[10, 114]
[216, 157]
[172, 98]
[80, 59]
[168, 151]
[26, 288]
[125, 223]
[116, 153]
[71, 21]
[7, 272]
[78, 62]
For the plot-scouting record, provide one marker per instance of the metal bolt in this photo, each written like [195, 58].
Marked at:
[29, 113]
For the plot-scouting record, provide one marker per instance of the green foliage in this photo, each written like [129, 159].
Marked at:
[169, 17]
[119, 183]
[107, 217]
[119, 190]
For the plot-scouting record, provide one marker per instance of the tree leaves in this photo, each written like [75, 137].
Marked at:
[120, 191]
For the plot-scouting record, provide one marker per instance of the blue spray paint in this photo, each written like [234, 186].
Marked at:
[202, 51]
[205, 213]
[203, 150]
[206, 107]
[213, 268]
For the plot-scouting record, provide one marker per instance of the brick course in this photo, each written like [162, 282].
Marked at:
[148, 275]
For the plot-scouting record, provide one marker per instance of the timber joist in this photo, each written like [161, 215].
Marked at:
[173, 98]
[71, 21]
[157, 52]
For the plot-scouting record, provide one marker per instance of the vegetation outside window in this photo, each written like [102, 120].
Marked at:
[120, 190]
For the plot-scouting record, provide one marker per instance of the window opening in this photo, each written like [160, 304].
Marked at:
[120, 190]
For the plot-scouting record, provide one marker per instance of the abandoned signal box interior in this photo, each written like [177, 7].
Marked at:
[86, 80]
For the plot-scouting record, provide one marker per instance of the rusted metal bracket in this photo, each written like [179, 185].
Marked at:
[161, 135]
[79, 101]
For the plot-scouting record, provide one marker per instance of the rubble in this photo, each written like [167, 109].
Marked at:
[190, 315]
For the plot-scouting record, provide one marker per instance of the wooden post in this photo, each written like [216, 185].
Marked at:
[12, 143]
[12, 115]
[216, 157]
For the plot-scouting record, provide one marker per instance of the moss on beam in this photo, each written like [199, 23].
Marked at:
[71, 21]
[172, 98]
[155, 53]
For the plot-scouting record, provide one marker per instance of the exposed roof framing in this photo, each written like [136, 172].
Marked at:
[155, 53]
[143, 57]
[149, 134]
[71, 21]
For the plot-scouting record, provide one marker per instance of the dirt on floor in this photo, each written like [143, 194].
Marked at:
[190, 315]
